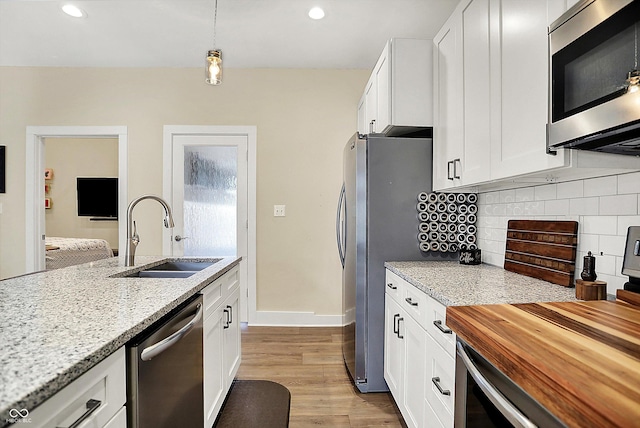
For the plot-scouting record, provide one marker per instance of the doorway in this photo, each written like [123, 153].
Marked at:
[35, 189]
[210, 181]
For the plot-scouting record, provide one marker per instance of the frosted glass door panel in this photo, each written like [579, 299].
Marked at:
[210, 200]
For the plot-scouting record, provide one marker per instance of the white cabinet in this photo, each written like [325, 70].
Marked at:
[404, 368]
[447, 114]
[491, 100]
[519, 70]
[221, 341]
[393, 347]
[399, 92]
[418, 369]
[231, 337]
[100, 394]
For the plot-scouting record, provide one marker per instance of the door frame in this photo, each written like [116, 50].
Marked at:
[248, 294]
[34, 189]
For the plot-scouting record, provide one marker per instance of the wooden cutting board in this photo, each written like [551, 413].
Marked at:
[542, 249]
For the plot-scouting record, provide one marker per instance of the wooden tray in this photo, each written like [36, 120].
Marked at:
[542, 249]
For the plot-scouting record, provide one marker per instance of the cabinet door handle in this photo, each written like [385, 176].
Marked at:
[226, 321]
[399, 335]
[391, 286]
[455, 169]
[396, 330]
[411, 302]
[436, 382]
[449, 165]
[92, 406]
[438, 323]
[229, 315]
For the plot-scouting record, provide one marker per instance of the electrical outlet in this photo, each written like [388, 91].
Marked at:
[278, 211]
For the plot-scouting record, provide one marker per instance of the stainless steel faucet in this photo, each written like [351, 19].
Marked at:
[133, 239]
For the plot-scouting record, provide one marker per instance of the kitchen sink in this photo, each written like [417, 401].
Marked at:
[173, 269]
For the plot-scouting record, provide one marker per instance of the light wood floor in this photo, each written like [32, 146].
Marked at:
[308, 361]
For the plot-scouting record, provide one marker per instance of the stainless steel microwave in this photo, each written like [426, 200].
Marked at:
[594, 78]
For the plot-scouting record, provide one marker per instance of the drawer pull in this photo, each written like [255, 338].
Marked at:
[92, 406]
[391, 286]
[225, 311]
[436, 382]
[399, 335]
[411, 302]
[396, 330]
[438, 323]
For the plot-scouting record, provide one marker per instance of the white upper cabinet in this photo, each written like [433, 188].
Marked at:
[447, 115]
[491, 100]
[519, 70]
[399, 91]
[476, 93]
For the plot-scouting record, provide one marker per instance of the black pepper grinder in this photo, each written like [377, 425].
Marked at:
[589, 268]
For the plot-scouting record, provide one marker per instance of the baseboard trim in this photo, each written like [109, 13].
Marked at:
[295, 319]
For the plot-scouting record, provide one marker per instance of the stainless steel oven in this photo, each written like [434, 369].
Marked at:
[486, 398]
[594, 77]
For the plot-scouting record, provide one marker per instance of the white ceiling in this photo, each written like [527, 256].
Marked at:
[177, 33]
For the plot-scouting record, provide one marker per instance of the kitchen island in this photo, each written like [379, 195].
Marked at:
[57, 325]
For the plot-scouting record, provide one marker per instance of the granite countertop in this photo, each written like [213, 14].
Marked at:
[56, 325]
[453, 284]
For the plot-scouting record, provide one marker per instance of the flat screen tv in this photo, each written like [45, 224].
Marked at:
[97, 197]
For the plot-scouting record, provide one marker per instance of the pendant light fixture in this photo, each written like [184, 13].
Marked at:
[213, 65]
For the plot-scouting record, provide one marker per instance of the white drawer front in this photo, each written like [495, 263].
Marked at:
[231, 281]
[393, 285]
[104, 383]
[212, 297]
[119, 420]
[414, 301]
[430, 418]
[435, 325]
[440, 373]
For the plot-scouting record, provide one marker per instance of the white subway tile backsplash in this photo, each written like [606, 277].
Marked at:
[629, 183]
[619, 205]
[587, 242]
[556, 207]
[625, 221]
[507, 196]
[570, 189]
[492, 197]
[605, 264]
[584, 206]
[534, 208]
[604, 208]
[601, 186]
[545, 192]
[612, 245]
[525, 194]
[600, 225]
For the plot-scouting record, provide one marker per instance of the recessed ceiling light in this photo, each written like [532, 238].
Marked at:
[316, 13]
[74, 11]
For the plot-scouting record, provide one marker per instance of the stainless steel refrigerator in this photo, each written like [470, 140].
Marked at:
[376, 222]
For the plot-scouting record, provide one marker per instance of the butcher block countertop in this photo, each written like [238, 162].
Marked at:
[580, 360]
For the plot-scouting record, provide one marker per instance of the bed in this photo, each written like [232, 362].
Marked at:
[62, 252]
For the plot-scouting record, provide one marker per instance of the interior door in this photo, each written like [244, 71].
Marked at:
[210, 199]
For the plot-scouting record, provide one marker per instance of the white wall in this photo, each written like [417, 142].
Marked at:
[604, 208]
[70, 158]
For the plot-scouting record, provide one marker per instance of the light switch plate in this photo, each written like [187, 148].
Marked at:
[278, 211]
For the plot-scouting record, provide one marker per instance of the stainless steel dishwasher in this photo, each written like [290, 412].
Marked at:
[165, 371]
